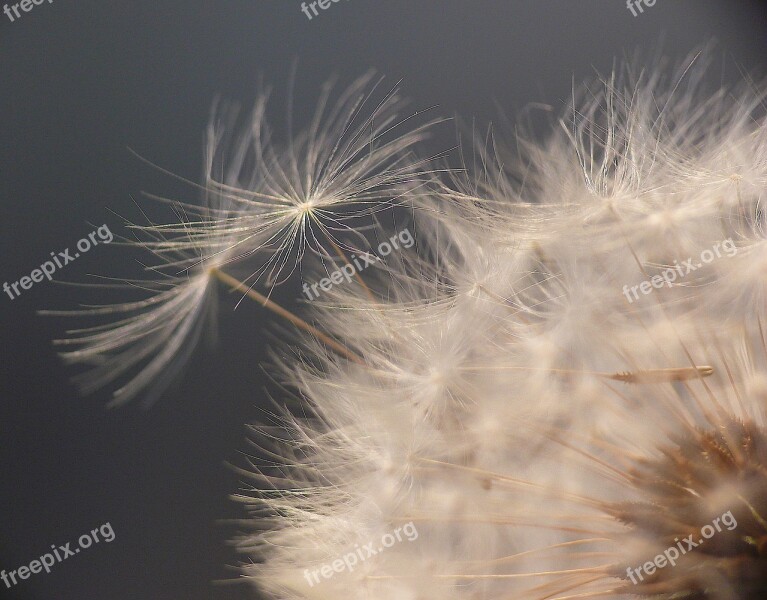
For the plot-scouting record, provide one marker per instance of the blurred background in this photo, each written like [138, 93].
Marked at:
[81, 81]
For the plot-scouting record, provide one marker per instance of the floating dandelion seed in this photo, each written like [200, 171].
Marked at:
[306, 194]
[152, 339]
[262, 205]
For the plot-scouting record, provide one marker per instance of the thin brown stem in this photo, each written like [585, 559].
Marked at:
[238, 286]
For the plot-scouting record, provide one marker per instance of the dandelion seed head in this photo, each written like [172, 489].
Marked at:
[685, 492]
[542, 431]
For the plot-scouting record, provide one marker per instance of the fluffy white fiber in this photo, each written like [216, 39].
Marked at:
[543, 428]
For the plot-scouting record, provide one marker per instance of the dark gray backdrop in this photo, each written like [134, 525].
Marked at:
[82, 80]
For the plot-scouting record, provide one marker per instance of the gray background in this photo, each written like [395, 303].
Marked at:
[82, 80]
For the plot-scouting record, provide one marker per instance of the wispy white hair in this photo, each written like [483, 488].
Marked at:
[544, 429]
[513, 401]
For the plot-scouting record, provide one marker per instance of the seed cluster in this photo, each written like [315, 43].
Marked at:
[700, 476]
